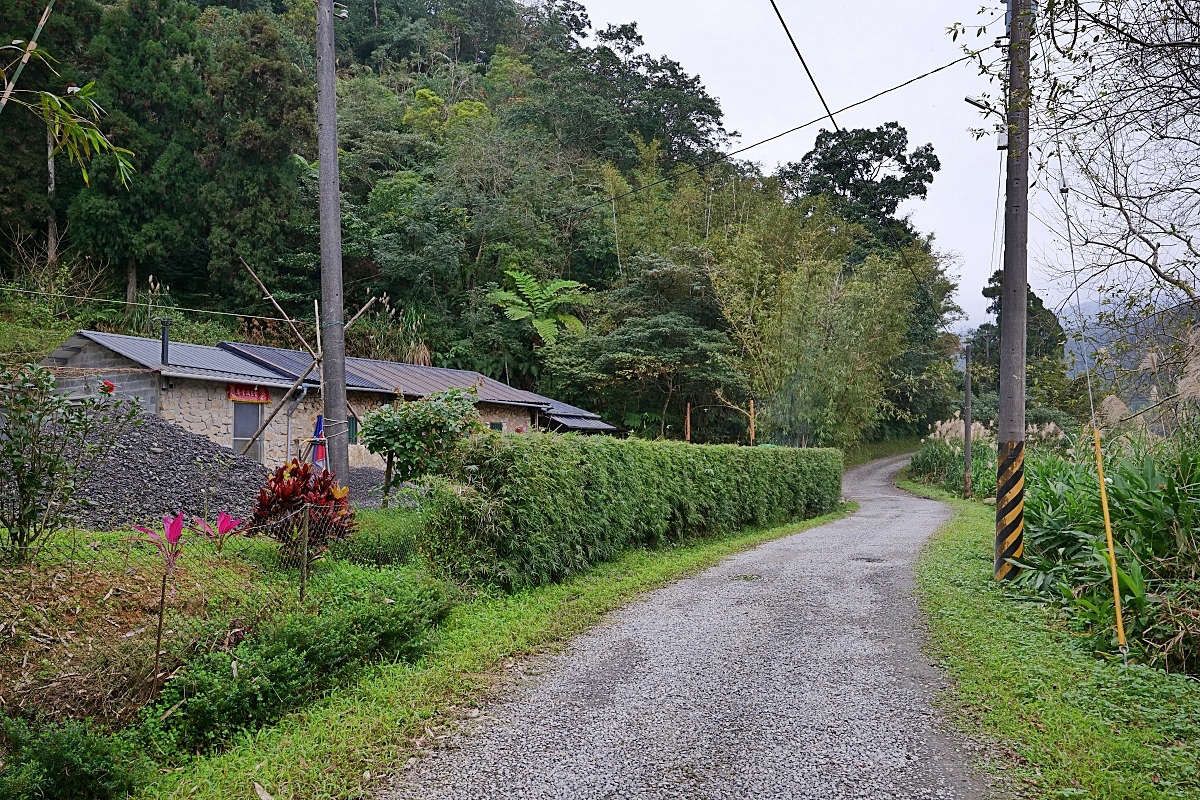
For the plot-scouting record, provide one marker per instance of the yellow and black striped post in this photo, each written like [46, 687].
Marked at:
[1010, 508]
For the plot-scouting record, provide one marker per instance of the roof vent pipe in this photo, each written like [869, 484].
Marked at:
[166, 340]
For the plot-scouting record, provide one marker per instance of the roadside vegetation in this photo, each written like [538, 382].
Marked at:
[1062, 719]
[168, 649]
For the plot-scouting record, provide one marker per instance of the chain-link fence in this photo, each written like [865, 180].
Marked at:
[80, 618]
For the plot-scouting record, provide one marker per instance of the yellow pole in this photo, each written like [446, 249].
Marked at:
[1108, 534]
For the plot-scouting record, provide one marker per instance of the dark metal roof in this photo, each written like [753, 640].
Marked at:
[589, 423]
[236, 362]
[391, 377]
[559, 408]
[188, 360]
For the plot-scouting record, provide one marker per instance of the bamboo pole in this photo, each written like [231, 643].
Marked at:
[1108, 536]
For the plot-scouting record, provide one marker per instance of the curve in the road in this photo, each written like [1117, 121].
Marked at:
[793, 670]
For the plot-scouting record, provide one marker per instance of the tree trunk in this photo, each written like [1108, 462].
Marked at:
[51, 216]
[387, 482]
[131, 280]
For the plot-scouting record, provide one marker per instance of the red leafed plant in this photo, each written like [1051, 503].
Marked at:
[279, 509]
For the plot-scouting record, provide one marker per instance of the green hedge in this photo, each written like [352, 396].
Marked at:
[525, 510]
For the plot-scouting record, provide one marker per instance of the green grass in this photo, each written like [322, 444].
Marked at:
[336, 748]
[1063, 722]
[869, 451]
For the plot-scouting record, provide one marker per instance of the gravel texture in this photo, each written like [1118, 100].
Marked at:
[158, 468]
[794, 670]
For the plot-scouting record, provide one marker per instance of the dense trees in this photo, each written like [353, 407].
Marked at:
[483, 140]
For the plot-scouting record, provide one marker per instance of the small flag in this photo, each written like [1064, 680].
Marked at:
[318, 452]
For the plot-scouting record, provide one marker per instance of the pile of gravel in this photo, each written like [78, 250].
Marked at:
[158, 468]
[366, 490]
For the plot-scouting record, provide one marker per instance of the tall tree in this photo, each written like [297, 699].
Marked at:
[868, 171]
[149, 56]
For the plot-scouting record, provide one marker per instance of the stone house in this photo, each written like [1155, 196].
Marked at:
[226, 392]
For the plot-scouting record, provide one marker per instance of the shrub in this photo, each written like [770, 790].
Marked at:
[385, 537]
[50, 445]
[366, 614]
[279, 509]
[1154, 500]
[417, 437]
[67, 761]
[940, 462]
[537, 508]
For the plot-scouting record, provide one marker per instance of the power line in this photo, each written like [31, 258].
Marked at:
[886, 227]
[804, 64]
[135, 303]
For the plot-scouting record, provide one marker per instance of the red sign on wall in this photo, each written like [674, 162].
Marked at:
[242, 393]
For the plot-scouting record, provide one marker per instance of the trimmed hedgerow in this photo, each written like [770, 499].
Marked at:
[525, 510]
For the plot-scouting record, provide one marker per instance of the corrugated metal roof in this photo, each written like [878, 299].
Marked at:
[236, 362]
[559, 408]
[188, 360]
[591, 423]
[390, 377]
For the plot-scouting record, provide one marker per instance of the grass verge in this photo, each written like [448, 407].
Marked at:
[869, 451]
[1066, 723]
[338, 747]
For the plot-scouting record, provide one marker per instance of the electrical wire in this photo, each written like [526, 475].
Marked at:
[135, 303]
[997, 219]
[891, 234]
[804, 64]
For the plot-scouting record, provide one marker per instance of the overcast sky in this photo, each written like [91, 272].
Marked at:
[855, 48]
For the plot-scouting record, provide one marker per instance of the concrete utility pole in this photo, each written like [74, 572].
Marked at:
[1010, 482]
[333, 333]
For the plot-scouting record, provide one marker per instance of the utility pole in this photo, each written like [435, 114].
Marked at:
[333, 333]
[967, 422]
[1010, 477]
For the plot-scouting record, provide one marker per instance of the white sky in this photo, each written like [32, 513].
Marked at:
[855, 48]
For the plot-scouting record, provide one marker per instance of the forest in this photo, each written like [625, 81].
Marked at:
[526, 196]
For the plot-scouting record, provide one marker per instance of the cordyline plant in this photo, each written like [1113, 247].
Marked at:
[294, 492]
[226, 526]
[50, 446]
[170, 547]
[415, 438]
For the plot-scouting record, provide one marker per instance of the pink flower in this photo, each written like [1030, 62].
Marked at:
[167, 542]
[226, 526]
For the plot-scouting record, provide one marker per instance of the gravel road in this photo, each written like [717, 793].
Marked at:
[790, 671]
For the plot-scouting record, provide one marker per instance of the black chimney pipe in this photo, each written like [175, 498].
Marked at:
[166, 340]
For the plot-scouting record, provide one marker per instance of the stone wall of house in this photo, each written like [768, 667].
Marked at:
[204, 407]
[514, 418]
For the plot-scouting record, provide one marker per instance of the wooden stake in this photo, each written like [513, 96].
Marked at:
[687, 423]
[752, 423]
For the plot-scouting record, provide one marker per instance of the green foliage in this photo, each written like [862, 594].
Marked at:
[542, 304]
[50, 444]
[1154, 493]
[668, 358]
[296, 494]
[67, 761]
[385, 537]
[366, 614]
[1072, 725]
[417, 437]
[868, 171]
[941, 463]
[537, 508]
